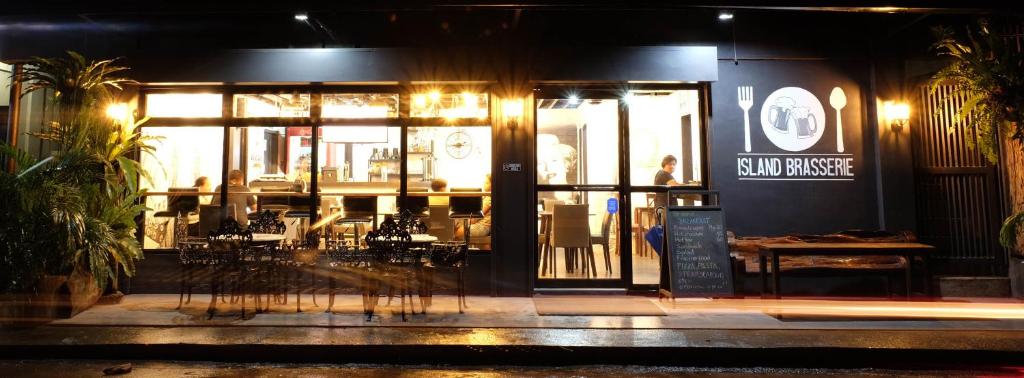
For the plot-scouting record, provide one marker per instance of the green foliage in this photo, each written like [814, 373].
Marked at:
[76, 81]
[77, 210]
[987, 69]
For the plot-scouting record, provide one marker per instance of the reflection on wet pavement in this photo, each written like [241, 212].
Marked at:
[77, 368]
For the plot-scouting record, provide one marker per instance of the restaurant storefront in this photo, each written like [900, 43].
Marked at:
[596, 141]
[788, 130]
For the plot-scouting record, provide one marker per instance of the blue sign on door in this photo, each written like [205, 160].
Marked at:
[613, 206]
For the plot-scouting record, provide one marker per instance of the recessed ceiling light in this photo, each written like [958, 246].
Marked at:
[301, 17]
[725, 16]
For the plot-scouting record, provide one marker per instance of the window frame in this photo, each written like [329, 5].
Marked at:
[227, 121]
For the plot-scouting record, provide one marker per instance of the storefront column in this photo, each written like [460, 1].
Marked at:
[514, 207]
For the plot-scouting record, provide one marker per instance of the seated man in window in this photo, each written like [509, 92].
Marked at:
[244, 203]
[438, 186]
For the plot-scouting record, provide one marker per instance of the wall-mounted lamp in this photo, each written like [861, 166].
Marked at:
[897, 114]
[512, 110]
[725, 16]
[119, 112]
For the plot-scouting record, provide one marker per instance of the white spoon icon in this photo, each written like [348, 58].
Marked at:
[838, 100]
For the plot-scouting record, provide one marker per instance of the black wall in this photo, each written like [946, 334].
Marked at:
[785, 203]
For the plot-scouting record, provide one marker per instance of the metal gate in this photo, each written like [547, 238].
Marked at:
[958, 195]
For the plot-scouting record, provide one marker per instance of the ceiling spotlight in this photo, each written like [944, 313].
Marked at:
[725, 16]
[301, 17]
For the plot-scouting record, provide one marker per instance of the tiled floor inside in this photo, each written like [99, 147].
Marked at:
[505, 312]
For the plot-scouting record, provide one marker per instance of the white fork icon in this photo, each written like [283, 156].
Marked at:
[746, 100]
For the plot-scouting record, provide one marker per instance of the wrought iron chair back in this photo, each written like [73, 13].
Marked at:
[230, 240]
[389, 243]
[268, 222]
[411, 223]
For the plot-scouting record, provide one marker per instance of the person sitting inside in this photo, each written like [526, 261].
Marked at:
[203, 185]
[244, 203]
[438, 186]
[482, 226]
[664, 177]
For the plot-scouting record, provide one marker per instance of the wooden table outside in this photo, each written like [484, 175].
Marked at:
[906, 250]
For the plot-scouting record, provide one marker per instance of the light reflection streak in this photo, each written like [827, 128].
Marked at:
[943, 310]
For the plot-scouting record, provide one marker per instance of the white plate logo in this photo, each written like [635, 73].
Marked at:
[793, 119]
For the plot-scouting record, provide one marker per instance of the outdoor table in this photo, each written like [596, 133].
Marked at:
[266, 239]
[906, 250]
[418, 238]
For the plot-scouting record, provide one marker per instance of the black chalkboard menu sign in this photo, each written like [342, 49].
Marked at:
[698, 253]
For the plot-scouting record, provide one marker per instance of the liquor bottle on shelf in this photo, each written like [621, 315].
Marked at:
[395, 155]
[385, 157]
[376, 155]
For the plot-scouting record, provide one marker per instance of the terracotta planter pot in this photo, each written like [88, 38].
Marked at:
[82, 292]
[48, 303]
[1017, 276]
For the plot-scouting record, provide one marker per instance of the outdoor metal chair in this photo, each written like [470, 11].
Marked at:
[389, 245]
[453, 256]
[228, 248]
[193, 255]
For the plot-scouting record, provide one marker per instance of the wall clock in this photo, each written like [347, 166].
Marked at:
[458, 145]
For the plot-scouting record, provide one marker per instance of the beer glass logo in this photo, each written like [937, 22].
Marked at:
[793, 119]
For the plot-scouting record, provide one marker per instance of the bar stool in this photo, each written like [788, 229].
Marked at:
[299, 210]
[357, 211]
[439, 225]
[419, 206]
[209, 218]
[465, 208]
[185, 204]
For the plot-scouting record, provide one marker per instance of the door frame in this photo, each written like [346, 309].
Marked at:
[624, 188]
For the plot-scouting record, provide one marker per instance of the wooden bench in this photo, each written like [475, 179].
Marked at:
[774, 251]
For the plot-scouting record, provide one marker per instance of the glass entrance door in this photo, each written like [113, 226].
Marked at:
[606, 160]
[578, 190]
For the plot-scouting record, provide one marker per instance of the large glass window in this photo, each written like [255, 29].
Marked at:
[186, 160]
[664, 126]
[577, 142]
[459, 155]
[361, 161]
[183, 105]
[360, 105]
[451, 159]
[274, 164]
[449, 105]
[271, 105]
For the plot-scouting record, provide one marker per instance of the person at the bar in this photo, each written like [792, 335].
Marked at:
[203, 185]
[438, 186]
[482, 226]
[244, 203]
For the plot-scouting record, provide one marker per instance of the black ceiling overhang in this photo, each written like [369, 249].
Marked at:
[198, 7]
[621, 64]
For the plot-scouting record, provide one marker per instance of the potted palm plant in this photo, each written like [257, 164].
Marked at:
[987, 68]
[91, 178]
